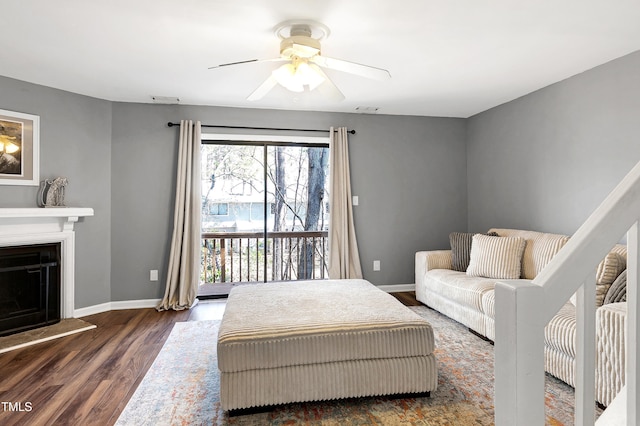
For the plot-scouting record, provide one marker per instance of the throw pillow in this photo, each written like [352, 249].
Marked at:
[539, 251]
[461, 249]
[608, 270]
[618, 290]
[496, 257]
[540, 248]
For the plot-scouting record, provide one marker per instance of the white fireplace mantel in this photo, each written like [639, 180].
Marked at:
[23, 226]
[45, 212]
[37, 214]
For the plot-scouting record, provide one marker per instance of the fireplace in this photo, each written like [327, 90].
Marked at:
[29, 287]
[22, 227]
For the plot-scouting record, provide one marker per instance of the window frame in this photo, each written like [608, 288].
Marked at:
[265, 141]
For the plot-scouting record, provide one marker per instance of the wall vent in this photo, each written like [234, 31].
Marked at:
[367, 110]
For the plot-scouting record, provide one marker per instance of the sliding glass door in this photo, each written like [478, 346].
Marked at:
[265, 213]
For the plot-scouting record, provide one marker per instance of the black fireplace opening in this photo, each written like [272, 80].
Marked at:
[30, 287]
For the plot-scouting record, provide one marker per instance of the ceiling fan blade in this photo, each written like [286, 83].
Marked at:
[233, 63]
[263, 89]
[328, 89]
[248, 62]
[351, 67]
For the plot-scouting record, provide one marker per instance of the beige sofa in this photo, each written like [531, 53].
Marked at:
[467, 296]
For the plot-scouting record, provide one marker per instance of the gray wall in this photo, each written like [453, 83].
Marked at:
[120, 160]
[75, 141]
[409, 174]
[545, 161]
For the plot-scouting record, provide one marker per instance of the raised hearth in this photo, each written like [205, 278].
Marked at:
[29, 226]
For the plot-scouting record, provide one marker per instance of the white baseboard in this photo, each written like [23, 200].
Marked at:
[152, 303]
[92, 310]
[135, 304]
[395, 288]
[115, 306]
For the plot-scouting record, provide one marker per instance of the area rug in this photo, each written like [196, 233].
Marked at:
[181, 388]
[63, 328]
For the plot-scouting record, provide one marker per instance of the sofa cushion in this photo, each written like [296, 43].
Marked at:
[489, 304]
[461, 249]
[496, 257]
[618, 290]
[560, 332]
[611, 327]
[540, 249]
[458, 287]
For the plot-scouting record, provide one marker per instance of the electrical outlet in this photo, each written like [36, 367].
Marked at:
[376, 265]
[153, 275]
[355, 200]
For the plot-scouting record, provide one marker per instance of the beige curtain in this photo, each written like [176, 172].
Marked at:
[184, 259]
[344, 260]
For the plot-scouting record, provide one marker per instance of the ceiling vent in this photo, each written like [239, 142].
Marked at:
[165, 100]
[367, 110]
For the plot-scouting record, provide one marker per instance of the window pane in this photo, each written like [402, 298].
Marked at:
[234, 191]
[297, 182]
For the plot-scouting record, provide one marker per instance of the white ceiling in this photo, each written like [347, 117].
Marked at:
[451, 58]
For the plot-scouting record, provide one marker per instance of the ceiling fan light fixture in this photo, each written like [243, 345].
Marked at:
[309, 76]
[300, 46]
[296, 75]
[304, 64]
[287, 77]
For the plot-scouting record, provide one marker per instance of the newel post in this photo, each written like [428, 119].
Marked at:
[519, 354]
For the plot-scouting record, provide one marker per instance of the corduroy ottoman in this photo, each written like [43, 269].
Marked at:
[319, 340]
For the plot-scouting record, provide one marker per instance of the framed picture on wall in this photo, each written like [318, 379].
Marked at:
[19, 148]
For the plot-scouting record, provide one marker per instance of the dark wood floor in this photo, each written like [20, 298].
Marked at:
[408, 298]
[88, 378]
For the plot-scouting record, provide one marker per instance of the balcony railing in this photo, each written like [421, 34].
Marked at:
[234, 257]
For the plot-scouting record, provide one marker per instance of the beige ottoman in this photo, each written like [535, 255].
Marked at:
[318, 340]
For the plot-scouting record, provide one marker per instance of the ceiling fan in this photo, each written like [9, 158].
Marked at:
[303, 62]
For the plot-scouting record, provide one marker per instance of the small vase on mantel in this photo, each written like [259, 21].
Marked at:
[51, 192]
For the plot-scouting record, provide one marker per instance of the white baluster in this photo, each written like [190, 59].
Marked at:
[586, 352]
[633, 331]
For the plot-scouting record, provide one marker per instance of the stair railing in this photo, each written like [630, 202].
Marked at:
[524, 307]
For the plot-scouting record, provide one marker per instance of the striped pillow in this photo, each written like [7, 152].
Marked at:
[496, 257]
[539, 251]
[461, 249]
[618, 290]
[608, 271]
[540, 248]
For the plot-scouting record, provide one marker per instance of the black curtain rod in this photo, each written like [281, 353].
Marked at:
[170, 124]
